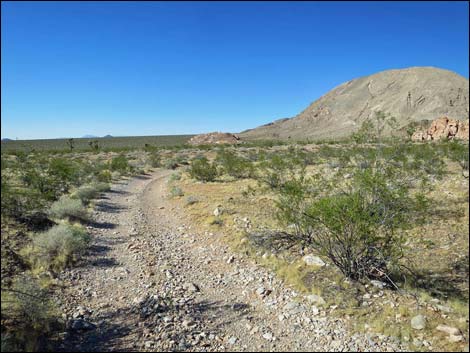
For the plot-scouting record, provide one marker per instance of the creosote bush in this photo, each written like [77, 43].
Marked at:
[201, 169]
[120, 164]
[233, 165]
[68, 208]
[358, 222]
[276, 169]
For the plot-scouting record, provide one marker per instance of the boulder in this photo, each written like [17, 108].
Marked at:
[462, 133]
[312, 260]
[418, 322]
[451, 331]
[443, 128]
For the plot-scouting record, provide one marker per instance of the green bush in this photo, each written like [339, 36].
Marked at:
[119, 164]
[458, 152]
[68, 208]
[64, 173]
[234, 165]
[201, 169]
[358, 222]
[277, 168]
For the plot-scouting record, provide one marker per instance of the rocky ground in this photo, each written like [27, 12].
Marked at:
[150, 283]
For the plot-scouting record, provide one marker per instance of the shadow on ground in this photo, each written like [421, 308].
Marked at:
[274, 241]
[102, 225]
[114, 329]
[451, 283]
[104, 206]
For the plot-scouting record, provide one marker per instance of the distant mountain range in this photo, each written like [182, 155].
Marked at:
[95, 137]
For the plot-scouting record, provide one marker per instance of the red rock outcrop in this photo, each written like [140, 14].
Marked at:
[214, 138]
[443, 128]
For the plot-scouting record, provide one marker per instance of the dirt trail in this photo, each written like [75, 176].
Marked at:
[149, 283]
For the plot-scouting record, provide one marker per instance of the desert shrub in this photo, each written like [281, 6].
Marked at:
[29, 316]
[181, 160]
[171, 163]
[64, 173]
[278, 168]
[119, 164]
[202, 170]
[104, 176]
[175, 177]
[86, 192]
[58, 247]
[102, 187]
[233, 165]
[190, 200]
[458, 152]
[358, 223]
[19, 202]
[11, 204]
[51, 177]
[373, 129]
[155, 159]
[115, 175]
[176, 191]
[35, 178]
[68, 208]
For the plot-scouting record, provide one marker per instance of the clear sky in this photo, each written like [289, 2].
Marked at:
[155, 68]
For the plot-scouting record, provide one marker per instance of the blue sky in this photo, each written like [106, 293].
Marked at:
[156, 68]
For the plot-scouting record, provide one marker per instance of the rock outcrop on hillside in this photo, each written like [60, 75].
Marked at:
[410, 95]
[443, 128]
[214, 138]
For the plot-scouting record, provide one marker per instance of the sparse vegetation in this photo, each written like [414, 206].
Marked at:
[385, 203]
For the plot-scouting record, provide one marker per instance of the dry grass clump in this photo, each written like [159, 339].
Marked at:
[57, 247]
[68, 208]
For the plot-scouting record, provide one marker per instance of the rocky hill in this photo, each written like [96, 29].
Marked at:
[410, 95]
[214, 138]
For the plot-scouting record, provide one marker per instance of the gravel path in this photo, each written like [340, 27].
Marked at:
[149, 283]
